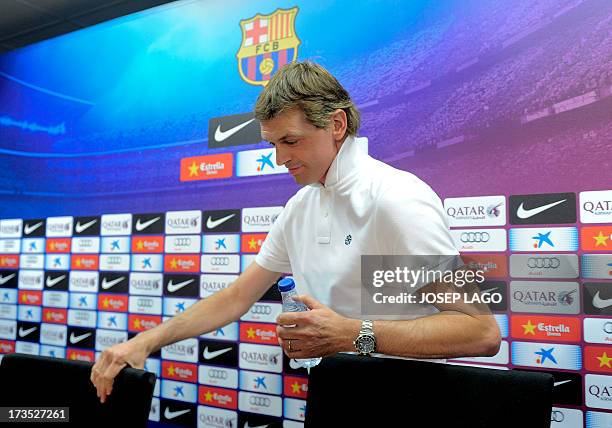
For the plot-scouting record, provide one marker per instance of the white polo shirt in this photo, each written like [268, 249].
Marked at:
[366, 207]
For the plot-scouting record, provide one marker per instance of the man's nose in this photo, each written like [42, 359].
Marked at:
[281, 156]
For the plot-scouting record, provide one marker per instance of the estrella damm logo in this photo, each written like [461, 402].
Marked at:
[268, 43]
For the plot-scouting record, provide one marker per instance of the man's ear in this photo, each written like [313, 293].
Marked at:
[338, 124]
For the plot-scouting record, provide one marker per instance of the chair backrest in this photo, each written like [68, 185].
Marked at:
[28, 380]
[355, 391]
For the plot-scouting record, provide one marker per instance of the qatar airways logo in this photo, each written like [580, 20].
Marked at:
[217, 418]
[83, 281]
[32, 280]
[146, 283]
[59, 226]
[107, 338]
[261, 357]
[596, 207]
[210, 284]
[545, 297]
[11, 228]
[185, 351]
[477, 211]
[116, 224]
[53, 334]
[178, 222]
[598, 391]
[181, 349]
[8, 329]
[259, 219]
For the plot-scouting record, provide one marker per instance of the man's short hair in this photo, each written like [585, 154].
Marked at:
[311, 88]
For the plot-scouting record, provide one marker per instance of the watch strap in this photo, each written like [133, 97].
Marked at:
[367, 327]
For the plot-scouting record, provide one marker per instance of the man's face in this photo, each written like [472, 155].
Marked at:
[304, 149]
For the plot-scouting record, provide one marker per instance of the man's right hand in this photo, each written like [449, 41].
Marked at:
[103, 373]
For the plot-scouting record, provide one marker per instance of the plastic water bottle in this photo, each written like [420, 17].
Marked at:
[286, 286]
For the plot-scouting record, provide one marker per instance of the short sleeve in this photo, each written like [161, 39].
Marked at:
[273, 252]
[410, 221]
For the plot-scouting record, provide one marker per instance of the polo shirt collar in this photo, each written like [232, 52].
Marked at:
[344, 164]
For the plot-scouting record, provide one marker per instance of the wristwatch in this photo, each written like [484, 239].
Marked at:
[365, 342]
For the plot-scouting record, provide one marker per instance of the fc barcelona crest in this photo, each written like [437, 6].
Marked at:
[268, 43]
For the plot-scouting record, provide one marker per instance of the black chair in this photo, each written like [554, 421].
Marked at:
[30, 381]
[347, 390]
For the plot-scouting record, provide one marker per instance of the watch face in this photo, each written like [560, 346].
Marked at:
[366, 344]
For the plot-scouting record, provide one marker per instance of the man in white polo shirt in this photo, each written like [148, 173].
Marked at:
[351, 205]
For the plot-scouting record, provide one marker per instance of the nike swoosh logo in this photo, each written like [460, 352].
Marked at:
[171, 415]
[210, 355]
[81, 227]
[561, 382]
[294, 364]
[5, 279]
[31, 228]
[108, 284]
[488, 290]
[174, 287]
[74, 339]
[600, 303]
[224, 135]
[211, 224]
[52, 281]
[141, 226]
[23, 332]
[523, 213]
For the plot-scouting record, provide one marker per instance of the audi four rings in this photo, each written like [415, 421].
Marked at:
[217, 374]
[219, 261]
[259, 401]
[475, 237]
[261, 309]
[543, 262]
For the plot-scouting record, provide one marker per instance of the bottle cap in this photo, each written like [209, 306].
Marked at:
[286, 284]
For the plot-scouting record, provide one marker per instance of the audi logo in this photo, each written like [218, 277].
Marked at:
[607, 327]
[145, 303]
[261, 310]
[217, 374]
[219, 261]
[544, 262]
[182, 241]
[557, 416]
[475, 237]
[259, 401]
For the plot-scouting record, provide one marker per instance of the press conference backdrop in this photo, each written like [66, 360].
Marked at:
[134, 182]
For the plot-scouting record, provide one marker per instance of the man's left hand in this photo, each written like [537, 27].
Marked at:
[317, 333]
